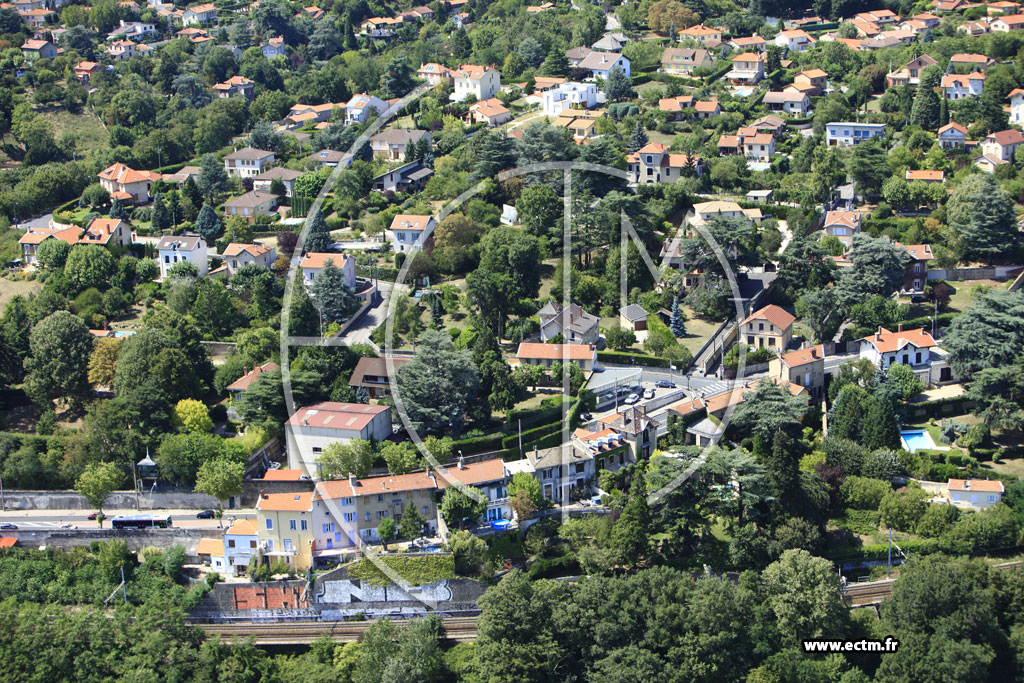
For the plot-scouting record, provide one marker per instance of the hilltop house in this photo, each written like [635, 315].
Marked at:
[107, 231]
[360, 108]
[793, 103]
[264, 181]
[916, 275]
[959, 86]
[797, 40]
[747, 68]
[915, 348]
[653, 163]
[600, 64]
[372, 374]
[33, 50]
[805, 367]
[842, 224]
[199, 14]
[538, 353]
[568, 96]
[284, 524]
[847, 133]
[236, 85]
[814, 79]
[492, 112]
[242, 384]
[975, 494]
[435, 74]
[33, 237]
[393, 143]
[954, 136]
[251, 204]
[411, 175]
[703, 34]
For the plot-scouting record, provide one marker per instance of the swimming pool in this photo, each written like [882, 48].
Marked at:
[124, 334]
[917, 439]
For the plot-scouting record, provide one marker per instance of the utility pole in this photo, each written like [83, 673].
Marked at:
[890, 553]
[3, 504]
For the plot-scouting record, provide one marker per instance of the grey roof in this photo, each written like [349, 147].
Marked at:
[706, 427]
[278, 173]
[633, 312]
[782, 97]
[250, 199]
[329, 155]
[399, 136]
[607, 43]
[566, 454]
[579, 320]
[179, 242]
[249, 153]
[632, 421]
[600, 61]
[577, 53]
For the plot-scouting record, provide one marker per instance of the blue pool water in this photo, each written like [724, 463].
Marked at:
[917, 439]
[123, 334]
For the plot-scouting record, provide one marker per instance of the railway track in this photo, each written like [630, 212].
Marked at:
[456, 628]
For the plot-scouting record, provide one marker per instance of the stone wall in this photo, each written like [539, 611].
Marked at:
[119, 500]
[137, 539]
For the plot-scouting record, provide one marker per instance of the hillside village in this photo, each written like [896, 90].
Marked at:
[468, 309]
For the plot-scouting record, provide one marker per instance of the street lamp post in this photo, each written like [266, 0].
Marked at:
[159, 158]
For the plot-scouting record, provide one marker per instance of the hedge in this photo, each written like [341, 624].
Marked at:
[625, 358]
[551, 567]
[478, 444]
[715, 75]
[681, 80]
[943, 320]
[380, 272]
[536, 433]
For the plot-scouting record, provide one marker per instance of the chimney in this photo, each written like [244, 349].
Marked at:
[305, 421]
[351, 480]
[967, 483]
[878, 335]
[899, 328]
[462, 462]
[263, 494]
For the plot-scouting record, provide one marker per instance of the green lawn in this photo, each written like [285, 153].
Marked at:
[698, 330]
[88, 131]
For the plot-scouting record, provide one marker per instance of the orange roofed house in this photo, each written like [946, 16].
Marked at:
[238, 255]
[313, 428]
[916, 348]
[314, 262]
[804, 367]
[769, 327]
[284, 523]
[537, 353]
[33, 237]
[975, 494]
[653, 163]
[243, 383]
[107, 231]
[127, 184]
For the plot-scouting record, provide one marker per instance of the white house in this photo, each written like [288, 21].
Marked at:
[796, 39]
[358, 109]
[199, 14]
[127, 184]
[248, 162]
[653, 163]
[273, 47]
[569, 96]
[600, 64]
[847, 133]
[842, 225]
[959, 86]
[481, 82]
[914, 348]
[314, 262]
[312, 429]
[408, 231]
[176, 248]
[975, 494]
[747, 67]
[434, 73]
[759, 147]
[392, 144]
[793, 103]
[251, 205]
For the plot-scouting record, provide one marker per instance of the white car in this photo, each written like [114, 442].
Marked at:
[631, 399]
[649, 393]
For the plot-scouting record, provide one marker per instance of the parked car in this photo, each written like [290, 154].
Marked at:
[586, 417]
[631, 399]
[8, 525]
[92, 516]
[205, 514]
[649, 393]
[665, 384]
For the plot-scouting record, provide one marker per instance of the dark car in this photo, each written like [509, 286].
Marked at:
[205, 514]
[586, 417]
[92, 516]
[8, 525]
[665, 384]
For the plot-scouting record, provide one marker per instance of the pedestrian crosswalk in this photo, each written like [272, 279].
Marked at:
[713, 388]
[24, 524]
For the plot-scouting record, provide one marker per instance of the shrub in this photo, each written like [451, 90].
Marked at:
[902, 509]
[862, 493]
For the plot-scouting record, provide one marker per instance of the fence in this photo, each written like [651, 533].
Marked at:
[989, 273]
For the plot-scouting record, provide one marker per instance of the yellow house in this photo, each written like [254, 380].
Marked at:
[285, 527]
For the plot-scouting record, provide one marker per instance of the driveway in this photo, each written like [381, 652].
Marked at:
[361, 330]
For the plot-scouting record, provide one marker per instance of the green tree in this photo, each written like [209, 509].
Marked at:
[525, 495]
[987, 335]
[508, 274]
[96, 484]
[103, 361]
[769, 408]
[817, 308]
[556, 63]
[677, 323]
[630, 535]
[618, 87]
[438, 386]
[619, 338]
[386, 531]
[983, 217]
[458, 508]
[56, 366]
[400, 457]
[339, 460]
[925, 112]
[53, 253]
[902, 509]
[804, 594]
[213, 178]
[209, 225]
[880, 429]
[878, 268]
[638, 138]
[539, 209]
[318, 240]
[89, 266]
[222, 479]
[867, 164]
[335, 300]
[411, 524]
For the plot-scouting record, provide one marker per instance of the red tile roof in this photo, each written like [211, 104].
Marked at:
[983, 485]
[886, 340]
[283, 474]
[800, 357]
[776, 315]
[555, 351]
[334, 415]
[285, 502]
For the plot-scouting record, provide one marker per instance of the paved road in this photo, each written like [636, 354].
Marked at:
[55, 519]
[360, 332]
[42, 221]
